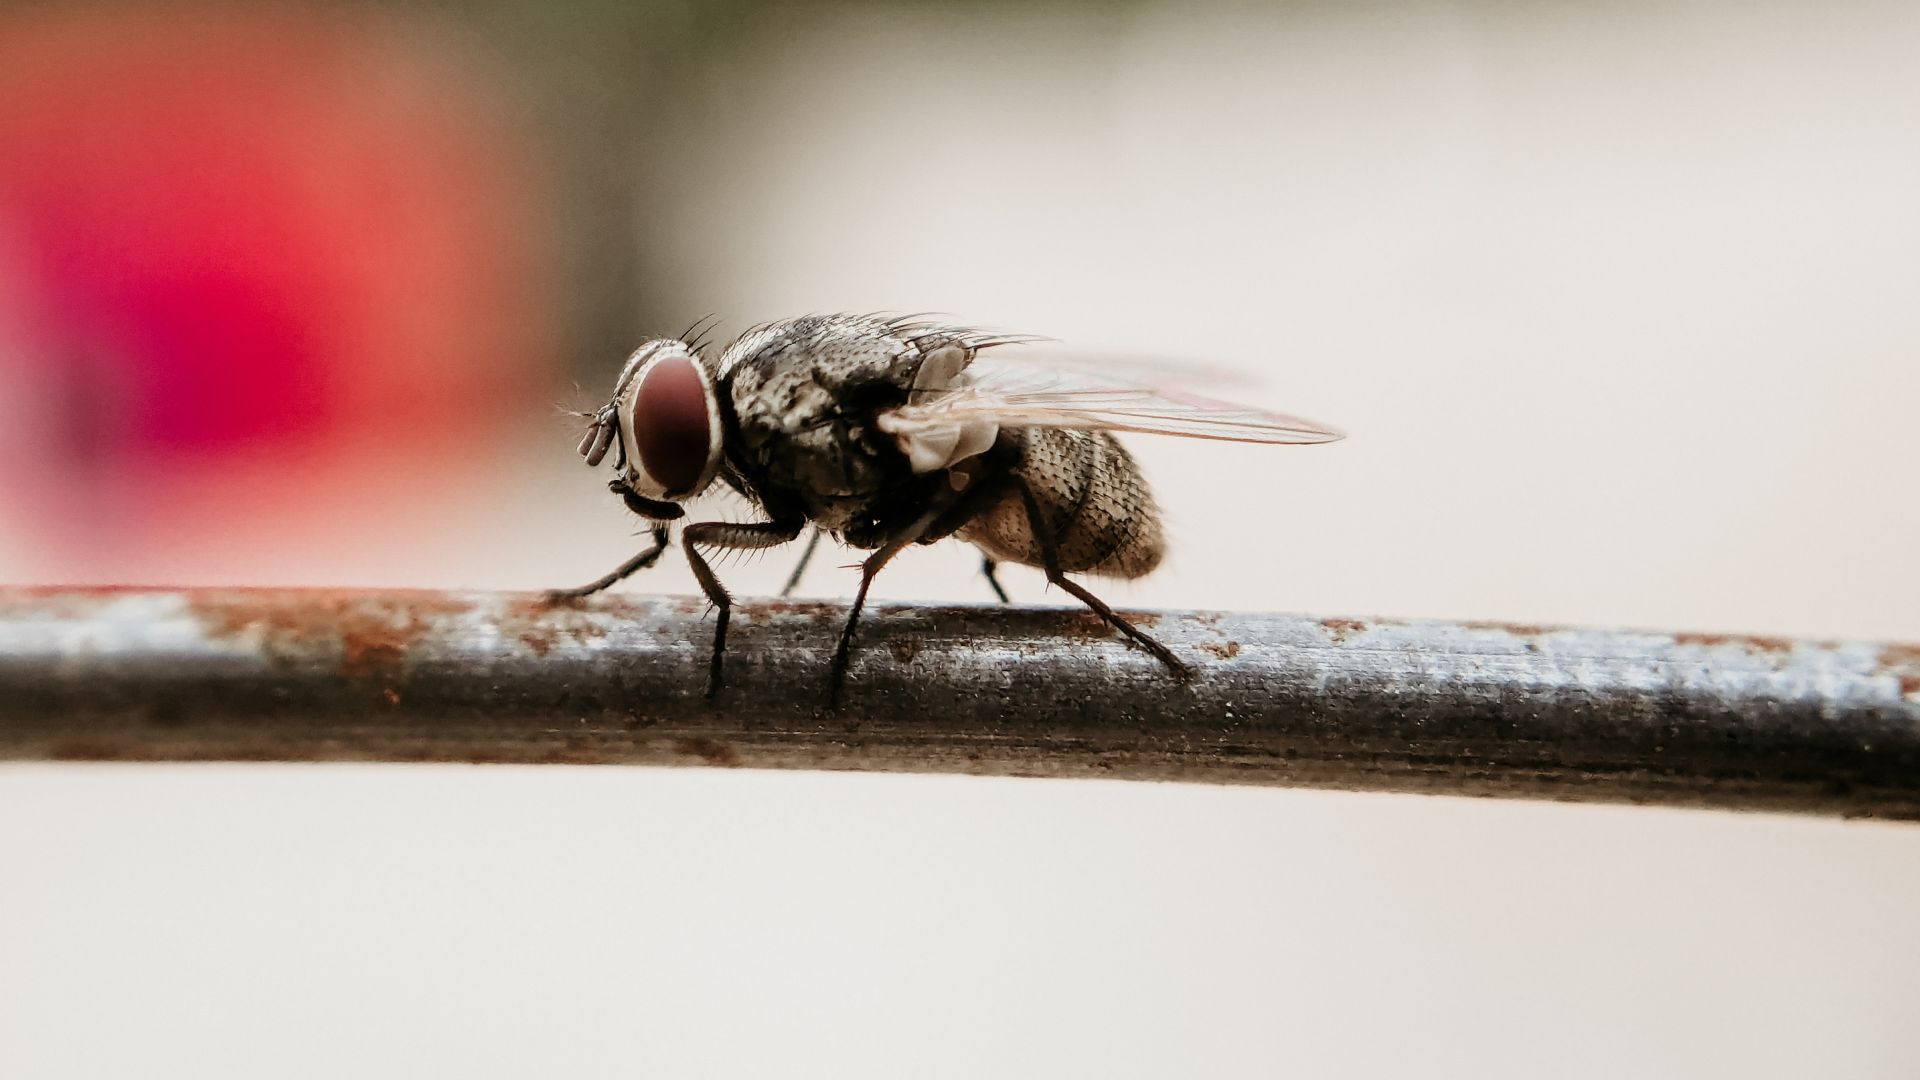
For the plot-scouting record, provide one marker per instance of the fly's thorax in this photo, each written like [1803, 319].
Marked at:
[807, 396]
[803, 407]
[1093, 502]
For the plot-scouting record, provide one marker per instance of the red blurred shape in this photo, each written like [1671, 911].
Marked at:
[239, 234]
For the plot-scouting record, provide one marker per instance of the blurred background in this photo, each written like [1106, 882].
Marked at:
[1617, 302]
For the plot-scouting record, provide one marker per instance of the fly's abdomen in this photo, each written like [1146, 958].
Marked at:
[1093, 503]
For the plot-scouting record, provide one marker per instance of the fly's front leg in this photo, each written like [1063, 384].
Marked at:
[637, 563]
[730, 535]
[657, 514]
[1050, 561]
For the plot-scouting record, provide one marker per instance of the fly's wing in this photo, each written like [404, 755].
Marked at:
[991, 393]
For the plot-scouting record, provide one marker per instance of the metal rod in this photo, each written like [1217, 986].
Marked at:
[1454, 708]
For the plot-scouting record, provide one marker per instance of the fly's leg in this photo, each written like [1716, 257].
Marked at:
[745, 535]
[651, 509]
[1050, 561]
[657, 515]
[837, 674]
[637, 563]
[988, 569]
[793, 579]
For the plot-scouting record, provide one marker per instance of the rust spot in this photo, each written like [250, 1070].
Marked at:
[540, 624]
[294, 620]
[1903, 662]
[1749, 643]
[1224, 650]
[711, 751]
[904, 648]
[1340, 628]
[376, 655]
[762, 612]
[1084, 625]
[372, 633]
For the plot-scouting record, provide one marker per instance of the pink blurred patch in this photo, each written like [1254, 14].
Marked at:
[255, 256]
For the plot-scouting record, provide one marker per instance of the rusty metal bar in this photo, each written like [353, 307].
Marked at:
[1455, 708]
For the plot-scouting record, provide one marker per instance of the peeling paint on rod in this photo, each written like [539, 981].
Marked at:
[1448, 708]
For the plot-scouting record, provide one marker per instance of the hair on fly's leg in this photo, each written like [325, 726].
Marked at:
[726, 536]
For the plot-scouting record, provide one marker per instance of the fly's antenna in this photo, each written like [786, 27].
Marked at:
[599, 437]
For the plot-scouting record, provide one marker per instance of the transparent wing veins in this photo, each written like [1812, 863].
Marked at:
[1025, 394]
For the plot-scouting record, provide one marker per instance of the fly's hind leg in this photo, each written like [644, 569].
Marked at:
[1050, 562]
[746, 535]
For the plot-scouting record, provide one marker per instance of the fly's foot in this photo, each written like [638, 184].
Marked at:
[1181, 671]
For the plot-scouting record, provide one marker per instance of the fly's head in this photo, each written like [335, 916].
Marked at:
[664, 418]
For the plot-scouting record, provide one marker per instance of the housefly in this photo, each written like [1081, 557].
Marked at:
[889, 431]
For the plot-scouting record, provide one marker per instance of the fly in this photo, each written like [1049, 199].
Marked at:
[890, 431]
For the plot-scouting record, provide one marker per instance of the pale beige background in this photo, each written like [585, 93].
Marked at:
[1618, 304]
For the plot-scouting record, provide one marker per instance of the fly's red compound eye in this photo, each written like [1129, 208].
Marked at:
[668, 417]
[670, 423]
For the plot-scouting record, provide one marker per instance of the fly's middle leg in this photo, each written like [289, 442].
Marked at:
[1050, 562]
[843, 653]
[736, 536]
[989, 569]
[800, 568]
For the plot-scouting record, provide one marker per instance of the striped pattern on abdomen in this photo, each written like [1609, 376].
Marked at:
[1092, 498]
